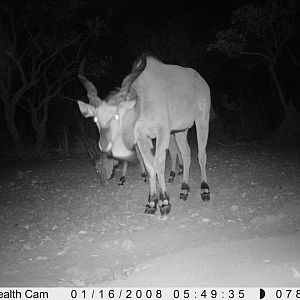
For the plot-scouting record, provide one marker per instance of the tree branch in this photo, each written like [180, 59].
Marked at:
[255, 53]
[13, 30]
[65, 97]
[20, 92]
[23, 106]
[55, 88]
[4, 93]
[33, 41]
[52, 55]
[19, 66]
[294, 59]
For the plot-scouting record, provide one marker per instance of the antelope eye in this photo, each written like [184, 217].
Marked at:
[95, 119]
[117, 116]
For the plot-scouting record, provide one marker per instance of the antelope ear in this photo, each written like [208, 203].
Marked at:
[86, 109]
[127, 105]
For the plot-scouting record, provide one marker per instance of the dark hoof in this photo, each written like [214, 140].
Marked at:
[122, 180]
[144, 177]
[151, 205]
[165, 209]
[150, 210]
[172, 175]
[205, 194]
[171, 179]
[164, 203]
[180, 172]
[184, 195]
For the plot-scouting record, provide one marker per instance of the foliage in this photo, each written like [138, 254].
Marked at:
[262, 29]
[266, 32]
[41, 52]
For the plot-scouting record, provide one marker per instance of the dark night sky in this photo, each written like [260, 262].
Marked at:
[130, 22]
[169, 8]
[215, 13]
[207, 17]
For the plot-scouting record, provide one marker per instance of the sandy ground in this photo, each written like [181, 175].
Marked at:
[60, 227]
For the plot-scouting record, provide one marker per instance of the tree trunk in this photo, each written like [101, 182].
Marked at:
[14, 134]
[278, 88]
[13, 131]
[40, 140]
[289, 130]
[39, 130]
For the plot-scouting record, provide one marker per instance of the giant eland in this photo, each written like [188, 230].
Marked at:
[174, 153]
[155, 99]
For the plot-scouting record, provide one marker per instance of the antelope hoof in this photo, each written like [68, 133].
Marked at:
[171, 178]
[122, 180]
[144, 177]
[165, 209]
[172, 175]
[184, 195]
[151, 205]
[205, 194]
[150, 209]
[180, 172]
[164, 204]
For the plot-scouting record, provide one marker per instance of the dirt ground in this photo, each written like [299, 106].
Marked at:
[60, 227]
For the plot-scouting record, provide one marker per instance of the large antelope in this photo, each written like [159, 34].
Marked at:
[105, 165]
[155, 99]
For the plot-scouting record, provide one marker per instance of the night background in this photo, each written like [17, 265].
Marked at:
[247, 51]
[65, 224]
